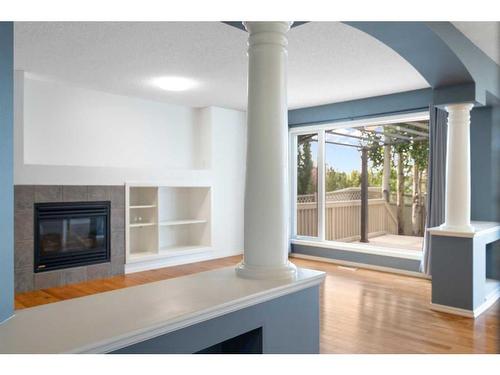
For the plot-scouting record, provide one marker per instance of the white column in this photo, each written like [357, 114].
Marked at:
[266, 189]
[457, 201]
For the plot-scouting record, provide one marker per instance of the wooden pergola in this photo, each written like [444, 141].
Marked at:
[403, 132]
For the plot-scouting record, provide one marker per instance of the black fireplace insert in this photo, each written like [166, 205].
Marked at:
[71, 234]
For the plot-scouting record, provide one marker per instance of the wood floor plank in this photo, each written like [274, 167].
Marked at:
[35, 298]
[362, 311]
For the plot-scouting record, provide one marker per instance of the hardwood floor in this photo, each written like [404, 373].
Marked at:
[362, 311]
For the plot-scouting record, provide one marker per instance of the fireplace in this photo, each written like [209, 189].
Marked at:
[71, 234]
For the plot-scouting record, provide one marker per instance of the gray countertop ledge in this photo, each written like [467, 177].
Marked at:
[480, 228]
[108, 321]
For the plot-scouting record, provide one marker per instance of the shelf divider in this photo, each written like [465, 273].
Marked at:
[182, 222]
[138, 225]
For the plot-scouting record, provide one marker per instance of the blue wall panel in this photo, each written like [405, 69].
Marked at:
[290, 325]
[452, 272]
[482, 167]
[404, 102]
[412, 265]
[6, 172]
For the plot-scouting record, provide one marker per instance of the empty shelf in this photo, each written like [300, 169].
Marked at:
[142, 254]
[177, 250]
[182, 222]
[137, 225]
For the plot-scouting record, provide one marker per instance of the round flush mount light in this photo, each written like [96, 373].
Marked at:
[174, 83]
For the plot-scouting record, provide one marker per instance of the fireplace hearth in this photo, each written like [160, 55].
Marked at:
[71, 234]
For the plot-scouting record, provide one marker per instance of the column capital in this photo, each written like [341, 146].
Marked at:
[267, 26]
[267, 32]
[455, 107]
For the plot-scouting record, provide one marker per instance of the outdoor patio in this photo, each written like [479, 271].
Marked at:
[395, 241]
[343, 219]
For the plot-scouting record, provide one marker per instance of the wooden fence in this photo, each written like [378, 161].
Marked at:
[347, 194]
[343, 219]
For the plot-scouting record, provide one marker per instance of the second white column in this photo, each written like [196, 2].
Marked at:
[457, 201]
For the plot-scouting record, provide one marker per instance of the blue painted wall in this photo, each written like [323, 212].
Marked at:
[458, 270]
[485, 176]
[404, 102]
[452, 270]
[418, 44]
[299, 310]
[484, 71]
[484, 167]
[6, 172]
[411, 265]
[496, 159]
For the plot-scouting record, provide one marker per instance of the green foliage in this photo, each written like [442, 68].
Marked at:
[412, 152]
[375, 177]
[304, 168]
[336, 180]
[419, 152]
[375, 150]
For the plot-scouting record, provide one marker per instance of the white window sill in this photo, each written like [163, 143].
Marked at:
[360, 248]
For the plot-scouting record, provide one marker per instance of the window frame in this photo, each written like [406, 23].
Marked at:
[293, 182]
[320, 129]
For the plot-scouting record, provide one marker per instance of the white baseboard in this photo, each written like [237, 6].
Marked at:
[175, 261]
[360, 265]
[489, 301]
[452, 310]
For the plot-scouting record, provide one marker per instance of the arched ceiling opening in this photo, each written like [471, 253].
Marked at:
[455, 68]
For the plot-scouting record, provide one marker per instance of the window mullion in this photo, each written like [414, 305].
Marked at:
[321, 185]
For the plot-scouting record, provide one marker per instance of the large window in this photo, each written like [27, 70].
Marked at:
[362, 183]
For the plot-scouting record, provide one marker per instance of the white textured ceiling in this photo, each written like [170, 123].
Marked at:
[485, 35]
[328, 61]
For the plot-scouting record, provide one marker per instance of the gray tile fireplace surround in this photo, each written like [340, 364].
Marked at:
[24, 198]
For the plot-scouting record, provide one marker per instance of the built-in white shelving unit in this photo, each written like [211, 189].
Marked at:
[164, 224]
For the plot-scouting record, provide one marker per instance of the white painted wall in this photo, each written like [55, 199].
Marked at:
[66, 125]
[178, 140]
[70, 135]
[229, 134]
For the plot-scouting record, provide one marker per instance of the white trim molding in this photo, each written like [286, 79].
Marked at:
[489, 301]
[361, 265]
[479, 228]
[382, 120]
[361, 248]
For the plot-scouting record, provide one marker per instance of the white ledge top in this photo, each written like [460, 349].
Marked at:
[112, 320]
[480, 228]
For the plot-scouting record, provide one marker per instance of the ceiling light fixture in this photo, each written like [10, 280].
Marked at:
[172, 83]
